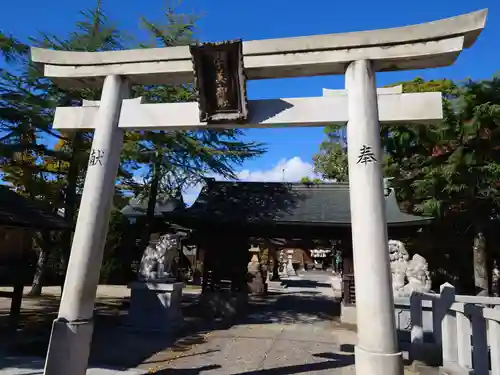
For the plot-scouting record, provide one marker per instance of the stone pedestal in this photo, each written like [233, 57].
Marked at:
[336, 283]
[155, 306]
[348, 313]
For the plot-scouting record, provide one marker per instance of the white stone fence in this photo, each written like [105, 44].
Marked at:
[466, 327]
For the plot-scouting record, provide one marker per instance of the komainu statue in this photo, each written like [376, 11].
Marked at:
[408, 276]
[159, 261]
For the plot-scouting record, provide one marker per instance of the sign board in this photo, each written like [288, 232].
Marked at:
[220, 81]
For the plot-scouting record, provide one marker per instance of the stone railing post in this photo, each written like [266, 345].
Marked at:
[464, 349]
[480, 350]
[417, 330]
[448, 325]
[437, 317]
[494, 343]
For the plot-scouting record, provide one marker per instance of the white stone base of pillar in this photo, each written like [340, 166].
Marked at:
[70, 348]
[378, 363]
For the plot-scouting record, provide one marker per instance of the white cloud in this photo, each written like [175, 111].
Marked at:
[288, 170]
[190, 194]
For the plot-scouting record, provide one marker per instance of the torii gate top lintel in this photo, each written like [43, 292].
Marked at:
[420, 46]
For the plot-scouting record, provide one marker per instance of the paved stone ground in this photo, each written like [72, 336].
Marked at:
[292, 331]
[103, 291]
[34, 366]
[276, 348]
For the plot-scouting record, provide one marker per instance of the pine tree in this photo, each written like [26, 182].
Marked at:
[54, 174]
[28, 101]
[450, 170]
[175, 160]
[11, 49]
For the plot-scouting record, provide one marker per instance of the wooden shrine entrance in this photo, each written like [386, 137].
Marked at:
[228, 216]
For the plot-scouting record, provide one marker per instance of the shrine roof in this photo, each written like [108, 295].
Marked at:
[138, 207]
[325, 204]
[17, 211]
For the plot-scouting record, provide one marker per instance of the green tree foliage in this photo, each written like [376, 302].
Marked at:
[50, 166]
[173, 160]
[51, 174]
[452, 170]
[331, 161]
[310, 181]
[449, 170]
[11, 49]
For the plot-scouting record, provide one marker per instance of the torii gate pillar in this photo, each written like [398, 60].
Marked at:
[377, 351]
[69, 345]
[414, 47]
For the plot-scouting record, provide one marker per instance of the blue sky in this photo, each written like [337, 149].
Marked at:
[261, 19]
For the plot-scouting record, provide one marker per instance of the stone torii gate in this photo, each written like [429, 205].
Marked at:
[358, 55]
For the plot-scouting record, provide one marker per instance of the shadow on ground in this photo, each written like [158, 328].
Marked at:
[334, 360]
[289, 307]
[304, 283]
[147, 350]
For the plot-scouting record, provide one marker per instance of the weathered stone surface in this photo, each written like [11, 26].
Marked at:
[421, 108]
[158, 261]
[255, 281]
[435, 44]
[155, 307]
[408, 276]
[336, 283]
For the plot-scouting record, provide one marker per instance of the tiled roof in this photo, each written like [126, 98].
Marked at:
[18, 211]
[281, 203]
[139, 207]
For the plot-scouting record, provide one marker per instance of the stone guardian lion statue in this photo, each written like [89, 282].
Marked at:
[159, 262]
[408, 276]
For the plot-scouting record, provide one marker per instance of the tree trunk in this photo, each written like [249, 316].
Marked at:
[150, 213]
[70, 204]
[37, 284]
[481, 280]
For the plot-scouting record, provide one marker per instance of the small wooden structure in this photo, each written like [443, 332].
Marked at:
[19, 218]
